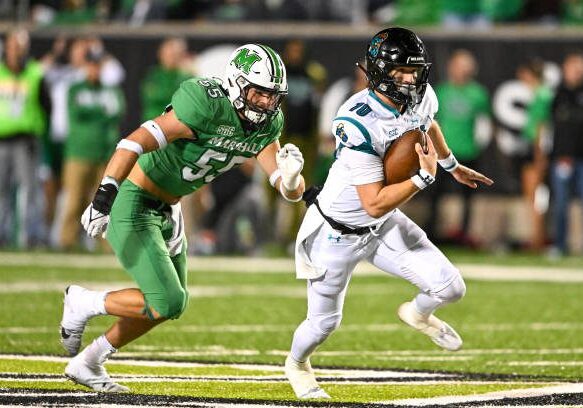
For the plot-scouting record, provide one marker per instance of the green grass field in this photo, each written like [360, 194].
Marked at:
[238, 327]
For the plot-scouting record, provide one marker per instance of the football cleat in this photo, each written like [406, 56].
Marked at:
[302, 379]
[73, 322]
[91, 375]
[438, 331]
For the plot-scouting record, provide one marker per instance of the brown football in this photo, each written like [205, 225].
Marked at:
[401, 161]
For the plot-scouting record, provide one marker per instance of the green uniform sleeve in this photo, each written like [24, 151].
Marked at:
[193, 106]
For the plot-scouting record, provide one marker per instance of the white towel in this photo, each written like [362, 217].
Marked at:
[311, 224]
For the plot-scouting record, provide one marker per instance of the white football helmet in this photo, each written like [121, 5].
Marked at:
[259, 67]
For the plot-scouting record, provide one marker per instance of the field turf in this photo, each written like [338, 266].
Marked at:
[229, 345]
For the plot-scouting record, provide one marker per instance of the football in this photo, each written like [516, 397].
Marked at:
[401, 161]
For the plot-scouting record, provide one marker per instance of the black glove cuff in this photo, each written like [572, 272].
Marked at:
[104, 198]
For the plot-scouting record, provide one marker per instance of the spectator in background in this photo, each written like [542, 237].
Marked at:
[24, 104]
[572, 12]
[306, 81]
[162, 80]
[94, 112]
[533, 166]
[61, 72]
[462, 14]
[64, 66]
[137, 12]
[463, 103]
[567, 152]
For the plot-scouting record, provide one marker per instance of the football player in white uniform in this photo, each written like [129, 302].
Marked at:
[355, 216]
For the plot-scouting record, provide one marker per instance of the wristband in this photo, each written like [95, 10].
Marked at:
[110, 180]
[291, 200]
[274, 176]
[422, 179]
[450, 163]
[105, 195]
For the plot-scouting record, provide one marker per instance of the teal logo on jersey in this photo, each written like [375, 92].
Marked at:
[341, 133]
[244, 61]
[225, 130]
[333, 238]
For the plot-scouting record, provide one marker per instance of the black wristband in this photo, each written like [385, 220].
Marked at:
[104, 197]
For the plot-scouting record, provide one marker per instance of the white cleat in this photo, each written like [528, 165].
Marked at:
[73, 322]
[438, 331]
[302, 379]
[93, 376]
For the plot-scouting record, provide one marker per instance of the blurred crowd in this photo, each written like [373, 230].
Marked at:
[60, 119]
[450, 13]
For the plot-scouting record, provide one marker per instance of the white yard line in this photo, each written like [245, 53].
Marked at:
[285, 265]
[491, 396]
[348, 373]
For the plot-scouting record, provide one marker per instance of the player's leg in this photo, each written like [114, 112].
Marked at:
[130, 303]
[137, 235]
[337, 254]
[404, 250]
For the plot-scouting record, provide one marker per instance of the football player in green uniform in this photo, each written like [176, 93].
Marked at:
[209, 127]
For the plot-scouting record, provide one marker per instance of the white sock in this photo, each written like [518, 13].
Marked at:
[98, 302]
[426, 304]
[98, 351]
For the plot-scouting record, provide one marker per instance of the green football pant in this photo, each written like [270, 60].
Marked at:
[138, 229]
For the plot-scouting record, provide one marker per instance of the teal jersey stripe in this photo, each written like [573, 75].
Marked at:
[383, 104]
[365, 146]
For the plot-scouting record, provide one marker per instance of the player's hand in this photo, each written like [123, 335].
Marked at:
[94, 221]
[470, 177]
[96, 216]
[427, 161]
[290, 163]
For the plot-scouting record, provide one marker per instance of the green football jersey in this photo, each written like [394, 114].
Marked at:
[220, 140]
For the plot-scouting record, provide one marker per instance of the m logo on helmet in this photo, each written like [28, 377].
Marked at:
[244, 60]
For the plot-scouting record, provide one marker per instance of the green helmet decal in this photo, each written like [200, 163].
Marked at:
[244, 60]
[275, 64]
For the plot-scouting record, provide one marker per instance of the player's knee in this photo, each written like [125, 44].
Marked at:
[454, 291]
[174, 303]
[327, 324]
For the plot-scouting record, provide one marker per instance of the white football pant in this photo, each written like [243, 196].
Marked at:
[400, 247]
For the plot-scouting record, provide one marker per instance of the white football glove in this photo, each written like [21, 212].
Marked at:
[94, 222]
[96, 216]
[290, 163]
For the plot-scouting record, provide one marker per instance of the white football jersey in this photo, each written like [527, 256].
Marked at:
[364, 128]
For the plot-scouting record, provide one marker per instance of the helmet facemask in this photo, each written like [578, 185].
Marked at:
[256, 103]
[389, 84]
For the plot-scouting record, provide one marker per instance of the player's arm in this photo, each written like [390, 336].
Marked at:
[378, 199]
[284, 165]
[447, 160]
[151, 135]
